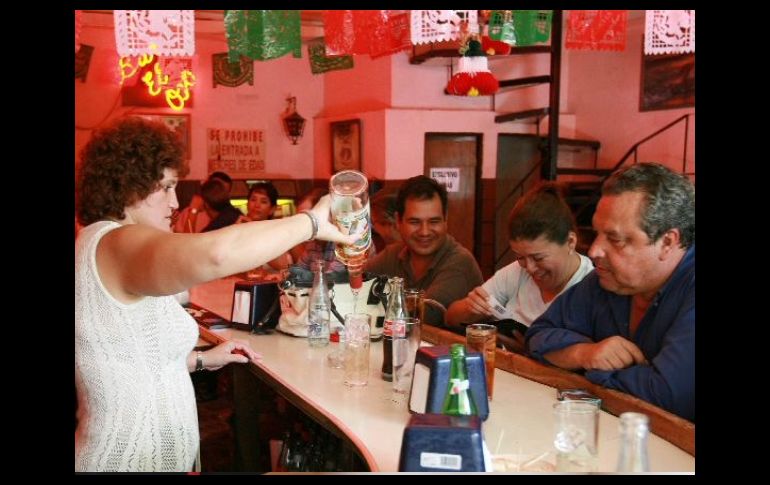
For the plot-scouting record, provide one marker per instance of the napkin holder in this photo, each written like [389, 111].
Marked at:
[255, 306]
[431, 380]
[442, 443]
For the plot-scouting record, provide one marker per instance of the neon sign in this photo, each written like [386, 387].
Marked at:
[157, 81]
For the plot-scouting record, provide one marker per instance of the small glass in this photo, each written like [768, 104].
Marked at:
[356, 353]
[415, 303]
[482, 337]
[576, 432]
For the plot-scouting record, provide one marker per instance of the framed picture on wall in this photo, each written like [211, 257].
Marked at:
[346, 145]
[178, 123]
[668, 81]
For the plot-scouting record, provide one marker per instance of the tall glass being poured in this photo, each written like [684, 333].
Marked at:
[349, 191]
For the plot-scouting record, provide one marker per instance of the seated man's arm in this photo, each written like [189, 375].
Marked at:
[452, 283]
[669, 380]
[564, 332]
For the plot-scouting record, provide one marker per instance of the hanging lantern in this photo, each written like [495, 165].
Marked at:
[293, 123]
[473, 77]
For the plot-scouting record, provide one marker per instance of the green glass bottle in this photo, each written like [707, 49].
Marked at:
[458, 400]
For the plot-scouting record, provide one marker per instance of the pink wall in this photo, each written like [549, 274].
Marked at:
[397, 103]
[604, 95]
[259, 106]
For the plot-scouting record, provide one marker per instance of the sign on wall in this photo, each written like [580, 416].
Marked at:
[239, 153]
[449, 177]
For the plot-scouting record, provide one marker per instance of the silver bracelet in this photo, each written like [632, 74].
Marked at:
[314, 221]
[199, 361]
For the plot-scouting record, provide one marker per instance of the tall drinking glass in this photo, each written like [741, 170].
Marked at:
[406, 342]
[482, 337]
[356, 362]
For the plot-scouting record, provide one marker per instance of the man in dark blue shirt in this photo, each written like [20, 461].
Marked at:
[631, 323]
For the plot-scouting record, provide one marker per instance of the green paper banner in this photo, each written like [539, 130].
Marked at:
[263, 34]
[532, 26]
[321, 63]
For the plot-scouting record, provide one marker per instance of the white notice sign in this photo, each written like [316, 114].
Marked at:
[449, 177]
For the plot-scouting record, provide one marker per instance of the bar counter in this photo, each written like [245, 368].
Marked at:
[519, 424]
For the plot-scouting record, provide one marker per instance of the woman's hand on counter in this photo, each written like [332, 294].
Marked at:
[228, 352]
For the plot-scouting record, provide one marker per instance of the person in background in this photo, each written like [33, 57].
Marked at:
[384, 230]
[427, 257]
[216, 204]
[304, 254]
[133, 341]
[630, 324]
[542, 235]
[193, 218]
[261, 205]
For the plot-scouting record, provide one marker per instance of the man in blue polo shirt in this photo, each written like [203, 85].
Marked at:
[630, 324]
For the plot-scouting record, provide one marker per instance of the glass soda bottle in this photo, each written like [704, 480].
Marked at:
[349, 192]
[396, 310]
[458, 400]
[634, 429]
[319, 308]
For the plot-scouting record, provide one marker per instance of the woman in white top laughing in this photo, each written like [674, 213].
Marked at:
[542, 235]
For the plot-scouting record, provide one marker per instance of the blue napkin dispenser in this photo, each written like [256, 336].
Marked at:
[441, 443]
[431, 379]
[255, 306]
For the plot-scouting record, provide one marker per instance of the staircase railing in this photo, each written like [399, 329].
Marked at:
[634, 150]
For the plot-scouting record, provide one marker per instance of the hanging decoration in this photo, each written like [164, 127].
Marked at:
[669, 32]
[596, 29]
[373, 32]
[473, 77]
[532, 26]
[78, 26]
[494, 47]
[501, 27]
[392, 35]
[263, 34]
[83, 61]
[439, 25]
[321, 63]
[158, 32]
[232, 74]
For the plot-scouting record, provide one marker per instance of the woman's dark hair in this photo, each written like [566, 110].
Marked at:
[267, 188]
[542, 211]
[122, 164]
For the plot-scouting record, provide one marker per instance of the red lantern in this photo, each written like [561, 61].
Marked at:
[473, 77]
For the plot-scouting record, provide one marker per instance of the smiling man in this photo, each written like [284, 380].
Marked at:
[427, 257]
[631, 323]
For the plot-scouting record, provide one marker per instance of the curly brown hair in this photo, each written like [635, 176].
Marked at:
[122, 164]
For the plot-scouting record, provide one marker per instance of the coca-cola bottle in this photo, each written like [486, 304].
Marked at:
[396, 310]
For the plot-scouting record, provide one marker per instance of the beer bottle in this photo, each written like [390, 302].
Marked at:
[458, 400]
[396, 310]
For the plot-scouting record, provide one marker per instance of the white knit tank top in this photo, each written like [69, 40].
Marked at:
[136, 405]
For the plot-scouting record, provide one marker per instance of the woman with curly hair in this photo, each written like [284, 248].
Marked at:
[133, 341]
